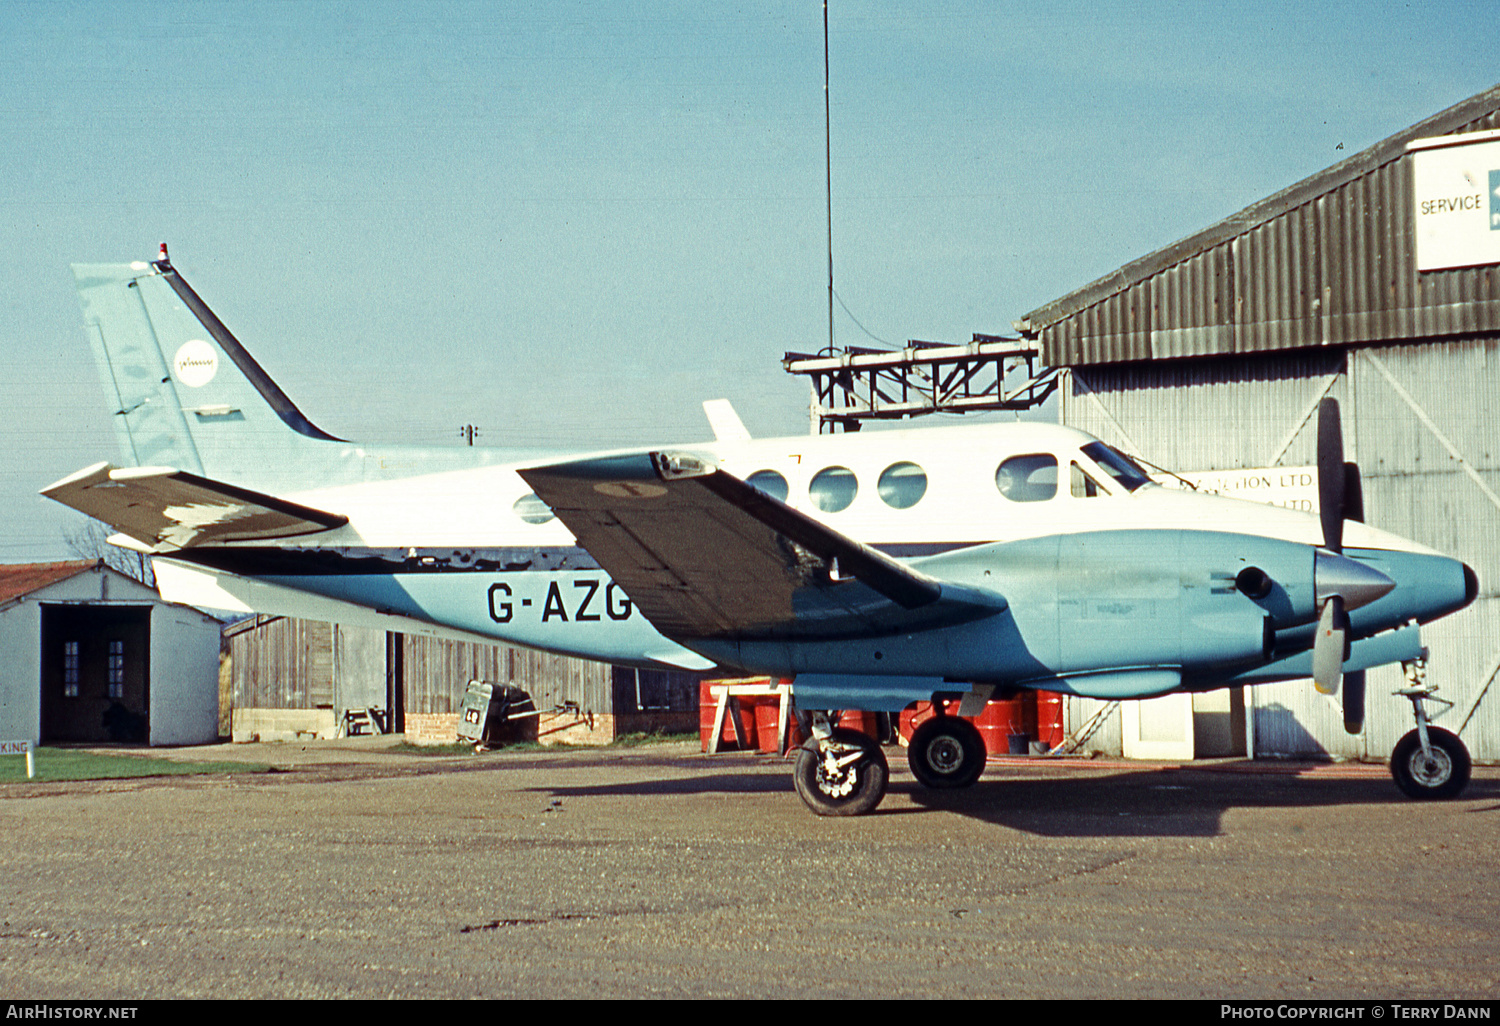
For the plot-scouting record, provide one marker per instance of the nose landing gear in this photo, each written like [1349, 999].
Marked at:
[839, 772]
[1428, 763]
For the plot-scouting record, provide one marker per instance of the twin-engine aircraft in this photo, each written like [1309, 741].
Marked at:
[874, 569]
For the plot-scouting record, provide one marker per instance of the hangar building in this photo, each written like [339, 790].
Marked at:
[1377, 282]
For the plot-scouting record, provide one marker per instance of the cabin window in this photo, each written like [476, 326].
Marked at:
[770, 482]
[1117, 465]
[833, 489]
[902, 485]
[1030, 478]
[532, 509]
[1085, 487]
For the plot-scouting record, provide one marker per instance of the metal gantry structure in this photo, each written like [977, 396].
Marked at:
[856, 384]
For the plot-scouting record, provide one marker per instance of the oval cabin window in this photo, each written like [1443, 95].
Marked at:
[770, 482]
[532, 509]
[833, 489]
[902, 485]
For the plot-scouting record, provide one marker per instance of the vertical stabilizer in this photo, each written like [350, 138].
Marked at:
[184, 392]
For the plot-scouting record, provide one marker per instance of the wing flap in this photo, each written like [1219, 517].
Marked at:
[164, 509]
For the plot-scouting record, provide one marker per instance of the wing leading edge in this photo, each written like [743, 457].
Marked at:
[160, 509]
[705, 555]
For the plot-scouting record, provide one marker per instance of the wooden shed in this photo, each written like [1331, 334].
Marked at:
[303, 678]
[89, 655]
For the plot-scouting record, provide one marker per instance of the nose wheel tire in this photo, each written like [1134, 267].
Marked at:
[946, 753]
[1443, 774]
[846, 777]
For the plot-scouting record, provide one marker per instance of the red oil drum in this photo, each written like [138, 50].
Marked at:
[708, 707]
[864, 722]
[1001, 720]
[1049, 718]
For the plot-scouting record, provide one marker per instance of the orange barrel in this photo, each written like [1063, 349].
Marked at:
[1002, 719]
[1049, 718]
[864, 722]
[767, 716]
[749, 707]
[708, 707]
[912, 717]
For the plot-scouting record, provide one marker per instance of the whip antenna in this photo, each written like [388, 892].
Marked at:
[828, 165]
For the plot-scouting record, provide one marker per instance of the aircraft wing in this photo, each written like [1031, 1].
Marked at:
[162, 510]
[705, 555]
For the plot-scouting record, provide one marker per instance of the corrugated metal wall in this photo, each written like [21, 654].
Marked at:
[1222, 414]
[1210, 414]
[1329, 262]
[1410, 401]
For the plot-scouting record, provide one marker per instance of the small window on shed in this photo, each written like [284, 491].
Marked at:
[902, 485]
[117, 669]
[833, 489]
[70, 669]
[1031, 478]
[770, 482]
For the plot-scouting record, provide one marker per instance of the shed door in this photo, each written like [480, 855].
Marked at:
[95, 673]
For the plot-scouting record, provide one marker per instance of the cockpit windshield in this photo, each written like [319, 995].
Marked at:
[1117, 465]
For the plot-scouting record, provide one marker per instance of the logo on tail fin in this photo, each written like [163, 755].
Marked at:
[196, 363]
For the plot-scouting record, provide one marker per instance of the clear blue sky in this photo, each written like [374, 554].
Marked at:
[570, 223]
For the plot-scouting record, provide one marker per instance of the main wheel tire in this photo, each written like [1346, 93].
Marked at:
[1445, 775]
[848, 791]
[946, 753]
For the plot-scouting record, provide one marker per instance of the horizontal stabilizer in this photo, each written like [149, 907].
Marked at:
[163, 509]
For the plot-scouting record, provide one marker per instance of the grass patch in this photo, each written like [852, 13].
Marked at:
[71, 764]
[653, 737]
[407, 748]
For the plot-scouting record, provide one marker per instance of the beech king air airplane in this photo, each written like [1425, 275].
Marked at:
[876, 569]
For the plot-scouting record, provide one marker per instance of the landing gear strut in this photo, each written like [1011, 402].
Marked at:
[1429, 762]
[839, 772]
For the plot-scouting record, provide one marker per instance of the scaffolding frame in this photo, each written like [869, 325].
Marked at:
[859, 384]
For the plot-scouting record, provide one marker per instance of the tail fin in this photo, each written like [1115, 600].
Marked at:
[187, 394]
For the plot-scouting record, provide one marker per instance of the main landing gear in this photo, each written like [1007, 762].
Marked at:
[843, 772]
[946, 753]
[1429, 762]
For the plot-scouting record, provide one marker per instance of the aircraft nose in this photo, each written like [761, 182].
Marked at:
[1471, 584]
[1357, 583]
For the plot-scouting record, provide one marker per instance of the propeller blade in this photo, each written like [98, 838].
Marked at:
[1329, 646]
[1331, 488]
[1354, 493]
[1354, 701]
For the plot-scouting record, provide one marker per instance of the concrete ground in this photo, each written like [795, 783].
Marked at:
[659, 872]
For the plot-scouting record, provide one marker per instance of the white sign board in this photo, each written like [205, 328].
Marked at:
[20, 748]
[1292, 487]
[1456, 200]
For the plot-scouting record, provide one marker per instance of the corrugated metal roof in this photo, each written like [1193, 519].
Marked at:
[21, 579]
[1328, 261]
